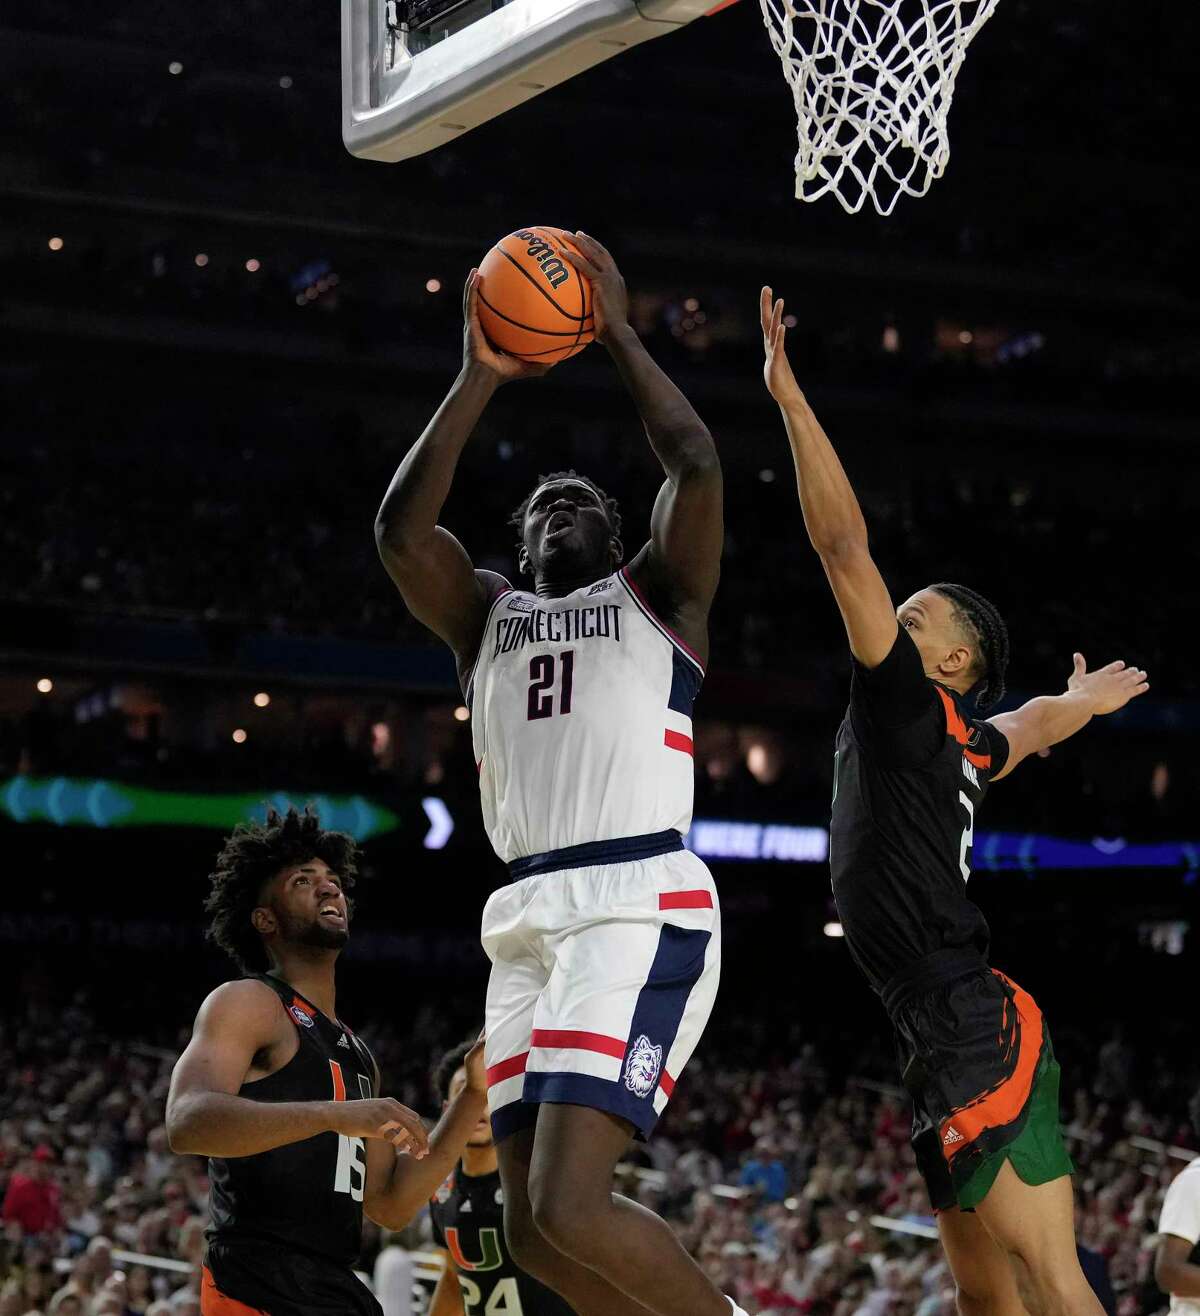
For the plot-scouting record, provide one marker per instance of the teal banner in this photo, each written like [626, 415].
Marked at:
[97, 802]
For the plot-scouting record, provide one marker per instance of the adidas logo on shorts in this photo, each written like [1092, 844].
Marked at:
[951, 1136]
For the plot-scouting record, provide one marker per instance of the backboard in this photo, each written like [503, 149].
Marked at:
[419, 73]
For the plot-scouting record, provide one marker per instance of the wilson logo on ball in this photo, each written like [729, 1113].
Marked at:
[549, 262]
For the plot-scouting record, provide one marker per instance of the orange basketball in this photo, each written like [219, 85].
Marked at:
[532, 303]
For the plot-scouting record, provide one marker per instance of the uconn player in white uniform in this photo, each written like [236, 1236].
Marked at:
[605, 946]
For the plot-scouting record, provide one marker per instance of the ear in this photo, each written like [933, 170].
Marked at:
[524, 565]
[617, 549]
[958, 660]
[264, 921]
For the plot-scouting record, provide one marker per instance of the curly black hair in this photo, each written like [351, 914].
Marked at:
[517, 520]
[253, 854]
[982, 622]
[448, 1066]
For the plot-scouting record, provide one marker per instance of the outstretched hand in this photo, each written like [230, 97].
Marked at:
[478, 351]
[1110, 687]
[610, 300]
[777, 370]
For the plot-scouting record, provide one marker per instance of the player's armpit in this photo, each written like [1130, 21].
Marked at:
[863, 600]
[1173, 1271]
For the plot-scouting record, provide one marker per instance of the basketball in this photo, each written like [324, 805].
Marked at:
[533, 303]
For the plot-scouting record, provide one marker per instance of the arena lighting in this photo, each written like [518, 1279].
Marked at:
[834, 930]
[253, 266]
[45, 685]
[691, 304]
[201, 259]
[285, 82]
[766, 475]
[462, 713]
[262, 699]
[239, 737]
[55, 244]
[175, 67]
[966, 338]
[433, 285]
[94, 802]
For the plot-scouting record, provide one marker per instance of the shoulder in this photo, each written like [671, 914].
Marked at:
[244, 1005]
[493, 585]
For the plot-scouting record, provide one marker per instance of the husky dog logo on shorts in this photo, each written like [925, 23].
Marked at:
[643, 1066]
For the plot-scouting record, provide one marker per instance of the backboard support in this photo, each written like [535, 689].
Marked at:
[417, 74]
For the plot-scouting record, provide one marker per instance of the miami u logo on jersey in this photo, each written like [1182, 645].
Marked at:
[489, 1245]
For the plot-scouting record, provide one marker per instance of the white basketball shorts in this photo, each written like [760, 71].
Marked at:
[605, 963]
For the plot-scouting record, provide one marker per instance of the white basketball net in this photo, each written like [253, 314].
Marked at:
[872, 81]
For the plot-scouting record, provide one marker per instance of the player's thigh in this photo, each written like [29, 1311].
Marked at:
[518, 978]
[982, 1269]
[1035, 1222]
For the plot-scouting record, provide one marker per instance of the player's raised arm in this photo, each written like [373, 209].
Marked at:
[1048, 719]
[206, 1117]
[430, 567]
[682, 563]
[398, 1187]
[832, 515]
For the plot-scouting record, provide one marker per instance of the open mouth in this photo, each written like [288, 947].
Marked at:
[559, 524]
[332, 914]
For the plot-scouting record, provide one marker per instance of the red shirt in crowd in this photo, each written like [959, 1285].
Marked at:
[33, 1203]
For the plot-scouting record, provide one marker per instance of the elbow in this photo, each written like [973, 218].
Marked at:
[391, 538]
[182, 1129]
[1164, 1273]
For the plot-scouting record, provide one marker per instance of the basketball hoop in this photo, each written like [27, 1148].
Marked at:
[872, 81]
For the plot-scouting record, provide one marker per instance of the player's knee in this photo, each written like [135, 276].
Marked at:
[562, 1219]
[525, 1243]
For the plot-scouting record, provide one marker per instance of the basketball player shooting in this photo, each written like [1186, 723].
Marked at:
[912, 767]
[605, 947]
[283, 1097]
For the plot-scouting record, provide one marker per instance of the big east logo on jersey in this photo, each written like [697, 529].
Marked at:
[554, 269]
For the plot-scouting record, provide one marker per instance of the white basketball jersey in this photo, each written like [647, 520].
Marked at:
[581, 717]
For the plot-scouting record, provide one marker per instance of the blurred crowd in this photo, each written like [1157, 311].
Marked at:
[796, 1189]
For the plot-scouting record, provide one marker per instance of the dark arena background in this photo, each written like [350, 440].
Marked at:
[220, 334]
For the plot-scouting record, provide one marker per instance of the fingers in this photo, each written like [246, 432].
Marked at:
[595, 251]
[764, 308]
[776, 319]
[469, 293]
[405, 1131]
[581, 263]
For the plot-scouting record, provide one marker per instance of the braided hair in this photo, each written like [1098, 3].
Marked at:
[252, 855]
[985, 627]
[611, 506]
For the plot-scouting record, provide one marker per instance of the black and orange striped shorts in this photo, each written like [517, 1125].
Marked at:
[976, 1057]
